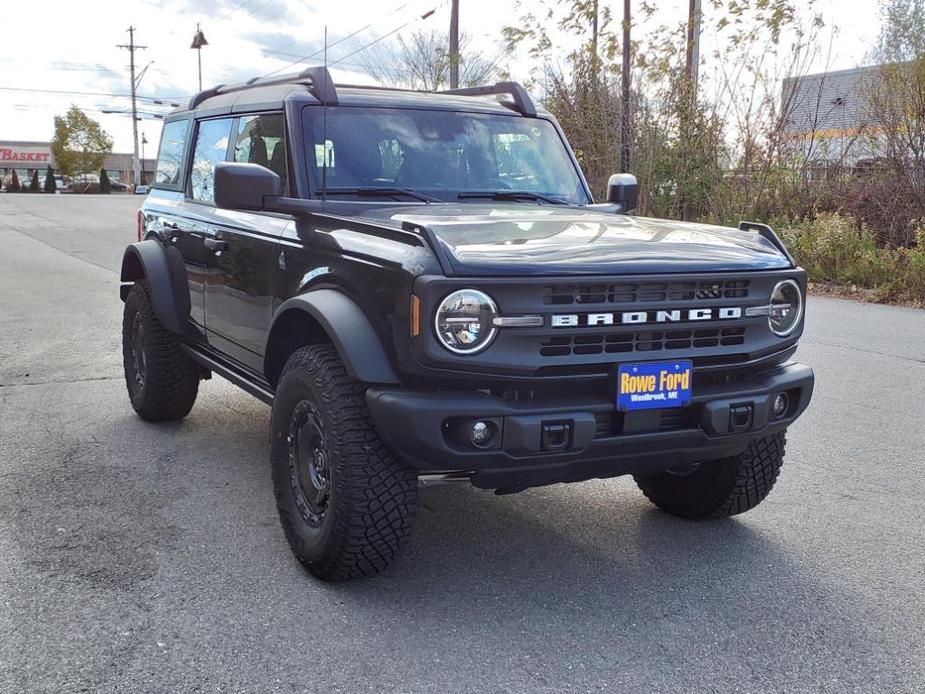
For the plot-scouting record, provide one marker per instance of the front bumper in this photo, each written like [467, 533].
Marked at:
[591, 439]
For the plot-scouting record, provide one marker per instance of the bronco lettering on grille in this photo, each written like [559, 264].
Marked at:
[591, 320]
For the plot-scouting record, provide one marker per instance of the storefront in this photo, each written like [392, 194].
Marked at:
[28, 157]
[24, 157]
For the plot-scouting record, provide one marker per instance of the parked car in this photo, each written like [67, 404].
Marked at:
[423, 289]
[60, 184]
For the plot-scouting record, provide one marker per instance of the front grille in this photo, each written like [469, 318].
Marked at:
[647, 341]
[606, 293]
[669, 419]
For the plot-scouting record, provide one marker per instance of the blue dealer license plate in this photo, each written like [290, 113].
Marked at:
[657, 385]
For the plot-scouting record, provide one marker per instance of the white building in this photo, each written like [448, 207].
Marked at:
[829, 116]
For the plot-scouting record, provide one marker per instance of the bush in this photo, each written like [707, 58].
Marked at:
[105, 183]
[834, 248]
[14, 186]
[51, 186]
[34, 185]
[838, 249]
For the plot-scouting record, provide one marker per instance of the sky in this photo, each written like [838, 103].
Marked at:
[60, 52]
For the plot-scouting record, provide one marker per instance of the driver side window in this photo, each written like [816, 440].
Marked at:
[261, 140]
[211, 147]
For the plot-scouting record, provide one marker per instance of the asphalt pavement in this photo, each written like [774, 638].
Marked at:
[148, 558]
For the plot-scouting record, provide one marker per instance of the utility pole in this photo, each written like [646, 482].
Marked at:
[594, 31]
[199, 40]
[625, 93]
[131, 47]
[144, 141]
[693, 67]
[454, 45]
[693, 47]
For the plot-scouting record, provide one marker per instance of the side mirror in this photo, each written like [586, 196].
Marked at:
[241, 186]
[622, 189]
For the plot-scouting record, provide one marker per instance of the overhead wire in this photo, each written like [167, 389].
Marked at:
[350, 36]
[298, 41]
[79, 93]
[385, 36]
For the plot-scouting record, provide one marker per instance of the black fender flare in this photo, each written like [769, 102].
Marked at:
[348, 328]
[164, 269]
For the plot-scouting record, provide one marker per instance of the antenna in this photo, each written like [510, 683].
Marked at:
[324, 125]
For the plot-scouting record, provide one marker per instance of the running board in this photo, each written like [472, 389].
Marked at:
[231, 373]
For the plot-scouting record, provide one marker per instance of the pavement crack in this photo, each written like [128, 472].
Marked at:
[914, 360]
[61, 381]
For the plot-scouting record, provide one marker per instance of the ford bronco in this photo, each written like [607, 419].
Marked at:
[422, 288]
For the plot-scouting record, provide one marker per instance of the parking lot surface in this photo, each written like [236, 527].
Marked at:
[148, 558]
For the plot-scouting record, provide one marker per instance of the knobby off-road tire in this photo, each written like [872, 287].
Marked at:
[719, 488]
[345, 502]
[162, 380]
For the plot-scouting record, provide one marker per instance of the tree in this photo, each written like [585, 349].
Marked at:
[713, 153]
[80, 145]
[51, 186]
[897, 99]
[34, 185]
[14, 186]
[105, 184]
[422, 61]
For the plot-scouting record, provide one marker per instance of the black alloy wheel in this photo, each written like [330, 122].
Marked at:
[309, 464]
[139, 362]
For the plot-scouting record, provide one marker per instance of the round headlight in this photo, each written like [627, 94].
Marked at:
[786, 308]
[464, 321]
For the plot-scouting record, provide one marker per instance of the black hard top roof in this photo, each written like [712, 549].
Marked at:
[315, 85]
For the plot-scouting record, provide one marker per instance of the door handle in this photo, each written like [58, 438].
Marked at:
[216, 245]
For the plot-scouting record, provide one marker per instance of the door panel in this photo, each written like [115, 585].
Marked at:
[242, 283]
[245, 264]
[188, 233]
[169, 220]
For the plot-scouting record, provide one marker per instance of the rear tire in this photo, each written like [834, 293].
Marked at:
[162, 380]
[719, 488]
[345, 502]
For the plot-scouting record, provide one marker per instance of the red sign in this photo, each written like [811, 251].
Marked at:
[38, 156]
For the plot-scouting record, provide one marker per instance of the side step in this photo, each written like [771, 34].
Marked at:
[258, 388]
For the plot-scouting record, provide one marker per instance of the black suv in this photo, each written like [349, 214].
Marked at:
[423, 289]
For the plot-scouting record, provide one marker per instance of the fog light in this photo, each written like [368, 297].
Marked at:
[780, 405]
[482, 433]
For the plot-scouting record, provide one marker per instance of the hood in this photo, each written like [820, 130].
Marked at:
[523, 239]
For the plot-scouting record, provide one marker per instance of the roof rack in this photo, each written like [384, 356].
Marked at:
[320, 85]
[522, 101]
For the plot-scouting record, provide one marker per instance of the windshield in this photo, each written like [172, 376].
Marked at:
[446, 155]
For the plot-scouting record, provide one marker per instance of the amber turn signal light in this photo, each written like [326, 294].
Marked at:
[415, 316]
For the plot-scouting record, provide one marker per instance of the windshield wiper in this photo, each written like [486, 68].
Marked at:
[510, 195]
[382, 192]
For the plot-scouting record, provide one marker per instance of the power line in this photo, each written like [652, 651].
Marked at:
[78, 93]
[319, 52]
[233, 10]
[298, 41]
[347, 38]
[385, 36]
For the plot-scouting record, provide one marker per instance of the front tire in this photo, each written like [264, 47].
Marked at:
[719, 488]
[162, 381]
[345, 502]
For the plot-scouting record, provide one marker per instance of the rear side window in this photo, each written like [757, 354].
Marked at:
[261, 140]
[170, 154]
[211, 148]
